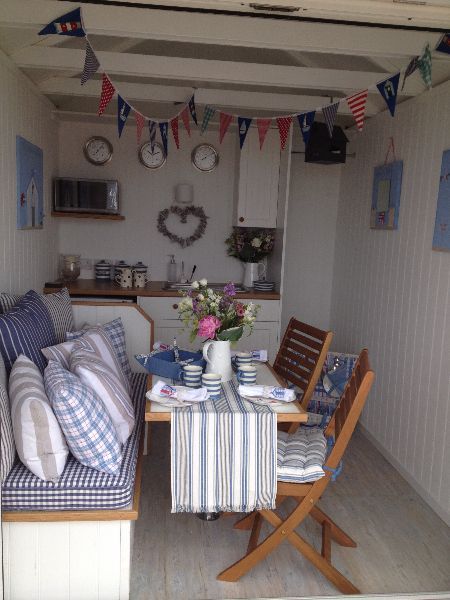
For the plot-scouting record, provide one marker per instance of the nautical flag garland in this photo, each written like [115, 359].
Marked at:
[163, 129]
[444, 44]
[413, 65]
[123, 110]
[284, 124]
[225, 120]
[263, 127]
[106, 95]
[140, 122]
[208, 113]
[152, 132]
[68, 24]
[243, 127]
[330, 112]
[174, 127]
[91, 64]
[185, 119]
[305, 121]
[357, 104]
[425, 66]
[192, 109]
[388, 89]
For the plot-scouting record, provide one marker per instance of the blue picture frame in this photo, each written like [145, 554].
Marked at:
[30, 185]
[386, 192]
[441, 237]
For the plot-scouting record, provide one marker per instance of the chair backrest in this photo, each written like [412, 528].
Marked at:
[348, 411]
[301, 356]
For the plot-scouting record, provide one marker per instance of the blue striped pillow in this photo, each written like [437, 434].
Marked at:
[84, 420]
[26, 329]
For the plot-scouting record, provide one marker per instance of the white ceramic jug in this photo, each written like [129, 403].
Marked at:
[252, 272]
[218, 358]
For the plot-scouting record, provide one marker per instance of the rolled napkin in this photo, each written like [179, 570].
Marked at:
[179, 392]
[268, 391]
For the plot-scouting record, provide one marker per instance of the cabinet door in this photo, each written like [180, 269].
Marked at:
[258, 181]
[264, 336]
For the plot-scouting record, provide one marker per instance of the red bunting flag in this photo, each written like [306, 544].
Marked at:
[357, 104]
[174, 126]
[140, 122]
[284, 124]
[225, 120]
[107, 93]
[263, 127]
[185, 119]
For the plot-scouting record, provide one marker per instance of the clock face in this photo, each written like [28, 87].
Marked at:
[152, 160]
[205, 157]
[98, 150]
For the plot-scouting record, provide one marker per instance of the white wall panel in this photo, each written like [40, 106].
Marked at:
[27, 258]
[391, 293]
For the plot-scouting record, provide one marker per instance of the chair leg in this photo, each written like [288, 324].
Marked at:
[337, 534]
[254, 536]
[246, 523]
[326, 541]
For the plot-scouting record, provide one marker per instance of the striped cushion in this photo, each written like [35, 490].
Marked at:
[7, 446]
[39, 440]
[88, 428]
[7, 301]
[300, 456]
[79, 487]
[116, 333]
[25, 329]
[61, 353]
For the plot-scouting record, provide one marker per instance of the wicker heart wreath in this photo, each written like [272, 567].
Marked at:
[182, 213]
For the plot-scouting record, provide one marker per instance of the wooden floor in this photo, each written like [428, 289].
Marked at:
[403, 546]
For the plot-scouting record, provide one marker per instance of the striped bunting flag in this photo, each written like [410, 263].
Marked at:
[192, 110]
[225, 120]
[388, 89]
[123, 110]
[207, 114]
[284, 124]
[68, 24]
[413, 65]
[185, 119]
[164, 128]
[91, 64]
[152, 132]
[263, 127]
[357, 104]
[140, 122]
[330, 112]
[174, 127]
[425, 66]
[243, 127]
[106, 95]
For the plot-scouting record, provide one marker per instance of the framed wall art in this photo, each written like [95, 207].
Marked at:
[441, 237]
[30, 185]
[387, 187]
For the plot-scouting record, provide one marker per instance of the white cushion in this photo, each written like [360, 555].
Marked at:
[60, 353]
[39, 440]
[301, 455]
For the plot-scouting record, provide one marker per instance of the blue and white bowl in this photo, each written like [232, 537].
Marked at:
[246, 375]
[213, 383]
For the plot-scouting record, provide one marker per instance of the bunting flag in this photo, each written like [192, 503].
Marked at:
[140, 122]
[164, 128]
[185, 119]
[357, 104]
[444, 44]
[225, 120]
[91, 64]
[68, 24]
[284, 124]
[263, 127]
[306, 120]
[152, 132]
[192, 110]
[107, 93]
[425, 66]
[123, 110]
[412, 66]
[243, 127]
[207, 114]
[174, 127]
[388, 89]
[330, 112]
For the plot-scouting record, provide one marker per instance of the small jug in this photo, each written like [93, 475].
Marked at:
[139, 279]
[125, 278]
[253, 272]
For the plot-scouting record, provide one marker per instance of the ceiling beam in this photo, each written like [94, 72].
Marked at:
[215, 71]
[224, 30]
[231, 99]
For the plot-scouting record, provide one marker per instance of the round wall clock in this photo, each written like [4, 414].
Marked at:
[205, 157]
[98, 150]
[152, 160]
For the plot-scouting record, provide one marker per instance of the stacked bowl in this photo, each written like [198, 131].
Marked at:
[264, 286]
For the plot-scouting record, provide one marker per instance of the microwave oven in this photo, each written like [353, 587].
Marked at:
[86, 195]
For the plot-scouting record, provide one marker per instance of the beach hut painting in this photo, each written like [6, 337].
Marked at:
[30, 209]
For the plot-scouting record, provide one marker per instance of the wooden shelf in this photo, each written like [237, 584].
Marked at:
[82, 215]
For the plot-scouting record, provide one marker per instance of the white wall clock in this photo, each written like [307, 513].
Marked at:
[205, 157]
[98, 150]
[152, 160]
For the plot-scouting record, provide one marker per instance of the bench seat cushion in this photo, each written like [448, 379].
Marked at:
[80, 487]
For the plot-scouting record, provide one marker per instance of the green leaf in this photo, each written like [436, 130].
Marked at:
[232, 335]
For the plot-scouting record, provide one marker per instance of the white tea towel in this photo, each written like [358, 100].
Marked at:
[179, 392]
[267, 391]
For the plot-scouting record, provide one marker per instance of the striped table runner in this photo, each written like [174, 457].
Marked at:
[223, 455]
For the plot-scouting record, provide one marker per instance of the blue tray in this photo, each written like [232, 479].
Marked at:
[164, 365]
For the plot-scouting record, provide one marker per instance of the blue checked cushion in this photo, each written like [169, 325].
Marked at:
[84, 420]
[116, 333]
[301, 455]
[25, 329]
[80, 487]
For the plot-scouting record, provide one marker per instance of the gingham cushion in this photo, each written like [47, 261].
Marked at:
[7, 446]
[86, 424]
[301, 455]
[116, 333]
[80, 488]
[25, 329]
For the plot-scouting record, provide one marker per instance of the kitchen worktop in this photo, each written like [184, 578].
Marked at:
[92, 287]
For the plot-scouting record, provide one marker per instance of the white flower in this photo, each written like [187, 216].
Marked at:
[195, 285]
[200, 297]
[203, 282]
[256, 242]
[185, 303]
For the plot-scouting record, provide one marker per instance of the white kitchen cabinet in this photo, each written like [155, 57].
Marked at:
[259, 171]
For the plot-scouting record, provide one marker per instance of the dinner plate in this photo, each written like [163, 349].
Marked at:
[168, 402]
[262, 401]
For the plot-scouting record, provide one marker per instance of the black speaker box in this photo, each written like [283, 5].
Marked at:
[325, 150]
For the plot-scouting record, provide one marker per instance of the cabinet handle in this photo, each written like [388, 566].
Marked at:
[241, 219]
[175, 306]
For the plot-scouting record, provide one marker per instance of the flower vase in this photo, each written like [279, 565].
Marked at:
[218, 359]
[252, 272]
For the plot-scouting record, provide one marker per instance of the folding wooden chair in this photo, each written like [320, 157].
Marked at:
[300, 358]
[307, 495]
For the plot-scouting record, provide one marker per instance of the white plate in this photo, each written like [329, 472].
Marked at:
[262, 401]
[168, 402]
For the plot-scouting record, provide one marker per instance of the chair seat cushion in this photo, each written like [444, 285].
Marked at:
[301, 455]
[80, 487]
